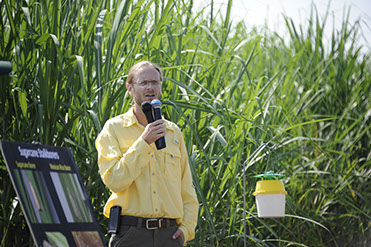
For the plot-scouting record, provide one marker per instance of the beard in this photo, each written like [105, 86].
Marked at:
[147, 95]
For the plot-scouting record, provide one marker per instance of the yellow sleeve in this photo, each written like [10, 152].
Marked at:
[190, 202]
[120, 167]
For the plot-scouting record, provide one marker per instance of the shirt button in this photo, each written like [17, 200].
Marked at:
[152, 155]
[156, 209]
[153, 174]
[154, 192]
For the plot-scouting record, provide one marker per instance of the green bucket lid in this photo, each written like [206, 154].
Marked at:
[269, 175]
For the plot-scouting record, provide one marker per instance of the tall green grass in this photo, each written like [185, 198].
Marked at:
[247, 101]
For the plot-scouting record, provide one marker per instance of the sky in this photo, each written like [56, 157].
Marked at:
[270, 12]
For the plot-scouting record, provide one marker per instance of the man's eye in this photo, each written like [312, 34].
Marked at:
[147, 83]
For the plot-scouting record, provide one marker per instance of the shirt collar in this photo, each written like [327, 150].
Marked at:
[130, 119]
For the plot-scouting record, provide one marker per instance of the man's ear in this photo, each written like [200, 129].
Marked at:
[129, 87]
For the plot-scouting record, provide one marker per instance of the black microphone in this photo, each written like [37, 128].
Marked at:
[147, 110]
[156, 104]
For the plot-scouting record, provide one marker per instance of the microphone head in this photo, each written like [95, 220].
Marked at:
[146, 106]
[156, 103]
[147, 110]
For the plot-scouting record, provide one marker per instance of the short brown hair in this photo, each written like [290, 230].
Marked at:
[140, 65]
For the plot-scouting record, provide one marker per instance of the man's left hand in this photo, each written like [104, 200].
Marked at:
[177, 234]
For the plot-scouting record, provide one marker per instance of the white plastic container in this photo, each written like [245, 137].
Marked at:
[270, 196]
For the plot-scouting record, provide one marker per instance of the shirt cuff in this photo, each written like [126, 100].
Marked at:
[185, 233]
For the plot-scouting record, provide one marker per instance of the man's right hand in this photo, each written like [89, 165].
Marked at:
[154, 131]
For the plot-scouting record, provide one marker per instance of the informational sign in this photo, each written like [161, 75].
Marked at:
[54, 201]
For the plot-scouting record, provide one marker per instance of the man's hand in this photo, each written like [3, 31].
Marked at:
[177, 234]
[154, 131]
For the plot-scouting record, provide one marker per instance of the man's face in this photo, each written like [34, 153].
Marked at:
[146, 85]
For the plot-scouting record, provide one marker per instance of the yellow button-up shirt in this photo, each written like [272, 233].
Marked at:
[144, 181]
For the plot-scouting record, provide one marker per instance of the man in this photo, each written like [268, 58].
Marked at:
[153, 187]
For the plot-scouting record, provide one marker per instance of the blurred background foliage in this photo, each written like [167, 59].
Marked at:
[247, 100]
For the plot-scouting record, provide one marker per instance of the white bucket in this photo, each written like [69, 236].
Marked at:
[271, 205]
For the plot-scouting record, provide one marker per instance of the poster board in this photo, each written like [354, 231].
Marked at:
[55, 203]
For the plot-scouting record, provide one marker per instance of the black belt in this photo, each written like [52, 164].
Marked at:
[148, 223]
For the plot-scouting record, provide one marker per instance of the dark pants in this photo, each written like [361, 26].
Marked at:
[131, 236]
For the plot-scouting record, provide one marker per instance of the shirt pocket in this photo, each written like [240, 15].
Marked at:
[172, 163]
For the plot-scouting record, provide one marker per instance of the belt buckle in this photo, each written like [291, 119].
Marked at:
[154, 227]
